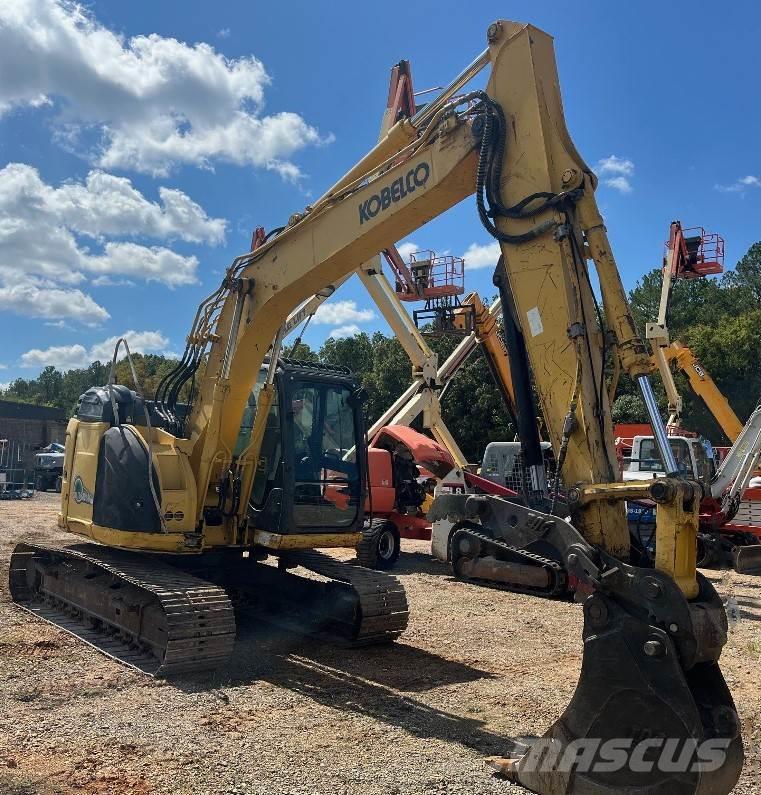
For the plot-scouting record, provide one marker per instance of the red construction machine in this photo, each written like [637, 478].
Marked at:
[404, 466]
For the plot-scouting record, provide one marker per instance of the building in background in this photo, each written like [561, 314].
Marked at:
[25, 429]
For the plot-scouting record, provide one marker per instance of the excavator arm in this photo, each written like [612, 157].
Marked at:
[394, 190]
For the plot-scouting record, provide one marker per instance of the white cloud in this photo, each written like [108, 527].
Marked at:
[138, 341]
[40, 225]
[482, 256]
[616, 172]
[407, 248]
[66, 357]
[332, 312]
[150, 102]
[34, 298]
[58, 236]
[63, 357]
[740, 185]
[4, 385]
[108, 205]
[620, 184]
[616, 165]
[3, 366]
[108, 281]
[345, 331]
[224, 33]
[155, 264]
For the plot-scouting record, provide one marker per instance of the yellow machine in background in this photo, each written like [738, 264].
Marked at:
[702, 385]
[282, 483]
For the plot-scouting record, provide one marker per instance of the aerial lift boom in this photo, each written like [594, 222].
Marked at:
[693, 254]
[702, 385]
[652, 637]
[484, 333]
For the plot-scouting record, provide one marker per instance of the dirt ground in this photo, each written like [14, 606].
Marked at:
[476, 667]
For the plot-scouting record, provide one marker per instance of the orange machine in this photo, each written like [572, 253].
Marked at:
[404, 465]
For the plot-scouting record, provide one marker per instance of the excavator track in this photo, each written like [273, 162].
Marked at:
[382, 612]
[345, 604]
[134, 608]
[551, 579]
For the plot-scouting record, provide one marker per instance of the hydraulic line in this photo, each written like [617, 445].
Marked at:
[525, 407]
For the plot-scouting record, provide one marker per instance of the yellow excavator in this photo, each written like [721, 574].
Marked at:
[185, 505]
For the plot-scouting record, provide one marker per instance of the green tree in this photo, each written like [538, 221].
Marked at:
[746, 277]
[629, 408]
[729, 351]
[692, 300]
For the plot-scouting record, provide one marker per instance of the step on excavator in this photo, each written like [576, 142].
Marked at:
[652, 636]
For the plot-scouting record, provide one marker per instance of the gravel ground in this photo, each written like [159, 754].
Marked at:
[476, 667]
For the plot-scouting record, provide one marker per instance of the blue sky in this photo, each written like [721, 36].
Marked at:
[141, 142]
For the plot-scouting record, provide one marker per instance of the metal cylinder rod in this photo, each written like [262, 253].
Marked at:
[424, 115]
[656, 423]
[275, 353]
[232, 339]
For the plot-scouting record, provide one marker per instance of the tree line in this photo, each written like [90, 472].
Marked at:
[719, 319]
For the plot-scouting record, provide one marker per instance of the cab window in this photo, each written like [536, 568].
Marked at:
[327, 489]
[650, 457]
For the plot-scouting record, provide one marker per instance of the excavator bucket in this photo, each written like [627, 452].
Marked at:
[638, 722]
[651, 714]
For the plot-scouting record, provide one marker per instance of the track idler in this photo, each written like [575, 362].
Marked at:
[651, 714]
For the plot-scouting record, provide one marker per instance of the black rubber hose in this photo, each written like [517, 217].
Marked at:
[525, 406]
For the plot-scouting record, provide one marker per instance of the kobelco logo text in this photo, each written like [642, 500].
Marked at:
[415, 178]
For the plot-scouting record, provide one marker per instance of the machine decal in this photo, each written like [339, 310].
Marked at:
[81, 494]
[535, 321]
[415, 178]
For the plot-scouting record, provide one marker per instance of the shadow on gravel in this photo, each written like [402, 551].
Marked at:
[260, 648]
[344, 691]
[395, 665]
[748, 608]
[358, 681]
[420, 563]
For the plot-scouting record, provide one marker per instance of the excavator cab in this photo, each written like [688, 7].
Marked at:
[311, 471]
